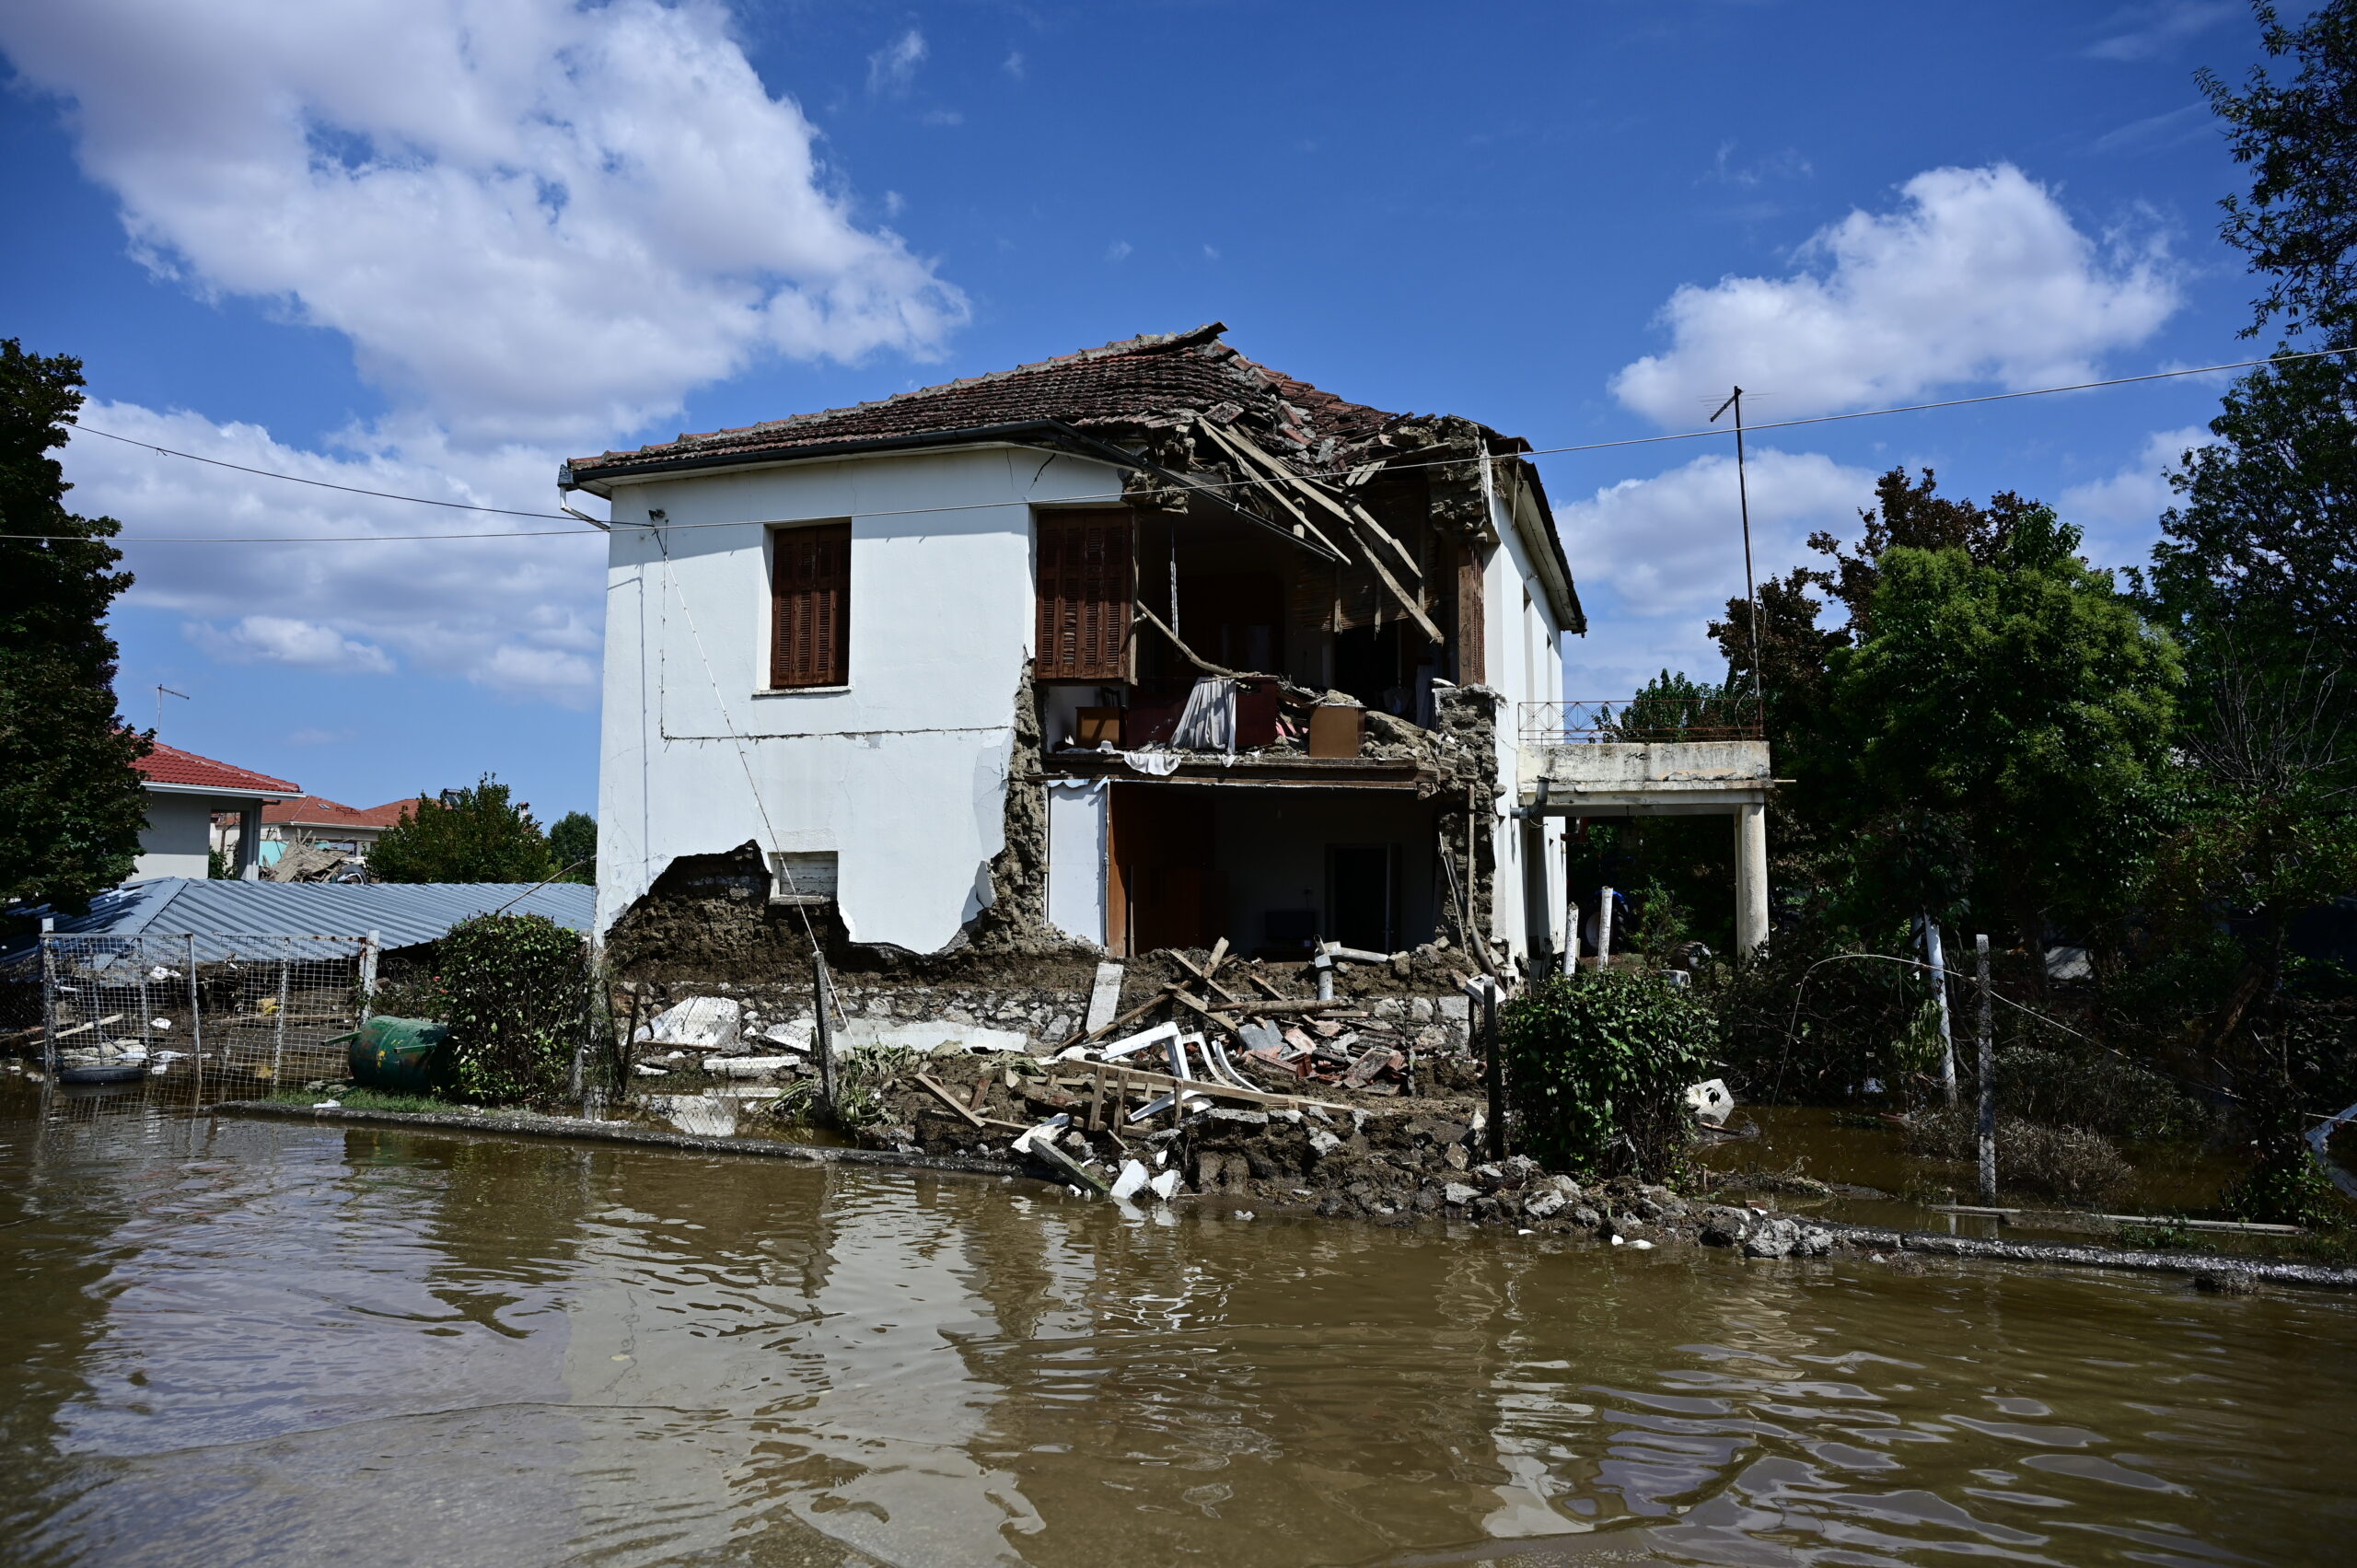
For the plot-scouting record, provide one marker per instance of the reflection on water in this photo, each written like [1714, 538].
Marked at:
[260, 1343]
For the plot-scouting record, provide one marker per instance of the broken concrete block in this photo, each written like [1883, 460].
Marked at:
[928, 1036]
[1166, 1186]
[1130, 1181]
[751, 1066]
[1545, 1204]
[700, 1023]
[1322, 1142]
[1457, 1195]
[1104, 997]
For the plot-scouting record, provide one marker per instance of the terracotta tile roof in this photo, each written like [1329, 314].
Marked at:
[317, 811]
[171, 765]
[1154, 380]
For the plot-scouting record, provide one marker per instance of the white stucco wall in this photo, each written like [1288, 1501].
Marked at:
[1078, 815]
[177, 838]
[903, 774]
[1525, 665]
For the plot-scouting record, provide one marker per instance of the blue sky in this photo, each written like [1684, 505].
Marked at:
[434, 245]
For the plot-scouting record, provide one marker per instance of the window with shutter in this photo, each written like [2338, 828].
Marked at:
[810, 606]
[1084, 595]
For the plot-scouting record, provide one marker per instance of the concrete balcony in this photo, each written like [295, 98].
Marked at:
[1634, 760]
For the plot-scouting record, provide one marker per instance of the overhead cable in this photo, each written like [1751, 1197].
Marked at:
[1245, 483]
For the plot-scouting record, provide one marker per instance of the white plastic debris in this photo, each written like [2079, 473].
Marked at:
[1711, 1101]
[1166, 1186]
[1641, 1244]
[1620, 1241]
[327, 1105]
[160, 1023]
[1131, 1178]
[700, 1023]
[644, 1071]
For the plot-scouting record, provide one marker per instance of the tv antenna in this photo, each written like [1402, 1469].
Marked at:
[163, 691]
[1750, 591]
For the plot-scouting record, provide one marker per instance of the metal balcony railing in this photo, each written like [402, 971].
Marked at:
[1637, 720]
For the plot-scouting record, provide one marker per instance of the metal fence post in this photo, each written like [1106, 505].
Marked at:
[1938, 956]
[368, 976]
[48, 999]
[823, 1035]
[286, 977]
[1988, 1082]
[195, 1022]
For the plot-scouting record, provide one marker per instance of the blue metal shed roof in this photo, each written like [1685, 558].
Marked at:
[402, 913]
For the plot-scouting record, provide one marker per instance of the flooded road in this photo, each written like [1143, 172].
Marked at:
[247, 1343]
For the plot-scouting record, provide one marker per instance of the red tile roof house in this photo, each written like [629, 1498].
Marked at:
[184, 790]
[327, 824]
[878, 647]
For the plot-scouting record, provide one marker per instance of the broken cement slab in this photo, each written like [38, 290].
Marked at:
[928, 1036]
[700, 1023]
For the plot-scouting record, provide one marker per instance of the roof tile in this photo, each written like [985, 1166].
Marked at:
[171, 765]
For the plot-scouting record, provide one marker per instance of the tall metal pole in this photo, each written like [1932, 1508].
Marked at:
[1988, 1080]
[1743, 499]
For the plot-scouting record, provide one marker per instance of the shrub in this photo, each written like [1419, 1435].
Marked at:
[2070, 1165]
[1597, 1066]
[517, 998]
[2093, 1089]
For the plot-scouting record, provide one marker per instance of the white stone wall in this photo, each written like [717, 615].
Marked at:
[901, 773]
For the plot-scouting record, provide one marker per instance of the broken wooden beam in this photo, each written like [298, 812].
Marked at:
[952, 1102]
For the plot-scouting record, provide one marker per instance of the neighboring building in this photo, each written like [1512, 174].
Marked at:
[933, 655]
[230, 920]
[316, 822]
[184, 792]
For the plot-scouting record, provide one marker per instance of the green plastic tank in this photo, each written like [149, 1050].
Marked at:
[397, 1054]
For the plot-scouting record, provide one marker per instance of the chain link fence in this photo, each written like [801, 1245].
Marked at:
[146, 1024]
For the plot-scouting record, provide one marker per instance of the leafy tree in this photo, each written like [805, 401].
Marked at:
[2299, 138]
[2018, 701]
[572, 845]
[71, 804]
[478, 836]
[518, 999]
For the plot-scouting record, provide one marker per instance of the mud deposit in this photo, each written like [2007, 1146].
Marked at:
[260, 1342]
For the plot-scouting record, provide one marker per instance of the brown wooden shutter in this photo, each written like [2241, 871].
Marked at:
[810, 604]
[1084, 595]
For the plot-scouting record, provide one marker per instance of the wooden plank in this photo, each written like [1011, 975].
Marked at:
[1097, 1100]
[1139, 1011]
[1203, 973]
[1350, 514]
[1406, 600]
[1249, 456]
[952, 1102]
[93, 1023]
[981, 1093]
[1283, 1004]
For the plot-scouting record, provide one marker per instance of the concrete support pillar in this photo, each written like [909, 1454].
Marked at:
[1750, 878]
[250, 843]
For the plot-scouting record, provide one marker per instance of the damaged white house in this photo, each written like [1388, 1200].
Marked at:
[1145, 645]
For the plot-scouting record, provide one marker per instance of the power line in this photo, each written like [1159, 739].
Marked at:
[1109, 495]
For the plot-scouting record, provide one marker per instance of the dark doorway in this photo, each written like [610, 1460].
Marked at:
[1164, 892]
[1366, 665]
[1361, 896]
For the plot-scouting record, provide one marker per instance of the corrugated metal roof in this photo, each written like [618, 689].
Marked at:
[402, 913]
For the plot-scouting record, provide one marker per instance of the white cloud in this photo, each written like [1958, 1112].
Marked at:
[1013, 64]
[2146, 31]
[893, 67]
[1118, 251]
[1673, 544]
[1980, 277]
[518, 616]
[532, 218]
[2120, 515]
[304, 644]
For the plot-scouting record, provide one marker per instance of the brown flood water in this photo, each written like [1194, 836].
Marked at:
[245, 1342]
